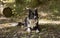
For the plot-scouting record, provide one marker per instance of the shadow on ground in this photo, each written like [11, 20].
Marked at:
[48, 31]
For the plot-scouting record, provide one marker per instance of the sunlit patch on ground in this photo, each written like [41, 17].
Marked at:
[47, 31]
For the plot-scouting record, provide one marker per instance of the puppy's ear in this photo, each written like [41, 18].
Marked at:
[29, 10]
[36, 13]
[36, 10]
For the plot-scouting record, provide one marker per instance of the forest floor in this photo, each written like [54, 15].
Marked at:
[47, 31]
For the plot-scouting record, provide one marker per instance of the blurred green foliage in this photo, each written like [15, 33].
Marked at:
[53, 6]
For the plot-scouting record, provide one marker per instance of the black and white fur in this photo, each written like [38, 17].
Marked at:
[32, 21]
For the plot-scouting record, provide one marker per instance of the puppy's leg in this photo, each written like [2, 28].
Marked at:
[28, 30]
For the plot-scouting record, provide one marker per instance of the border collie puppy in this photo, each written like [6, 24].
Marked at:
[32, 21]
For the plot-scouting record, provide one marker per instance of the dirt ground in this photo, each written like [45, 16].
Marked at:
[47, 31]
